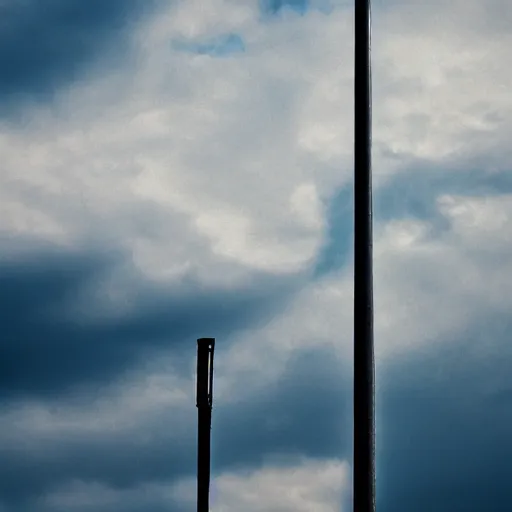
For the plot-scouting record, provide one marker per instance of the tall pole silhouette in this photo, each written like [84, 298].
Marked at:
[204, 401]
[364, 365]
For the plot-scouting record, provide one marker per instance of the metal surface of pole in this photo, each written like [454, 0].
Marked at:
[204, 402]
[364, 365]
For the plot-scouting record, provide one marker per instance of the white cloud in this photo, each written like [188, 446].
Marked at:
[308, 485]
[430, 286]
[188, 160]
[200, 139]
[440, 84]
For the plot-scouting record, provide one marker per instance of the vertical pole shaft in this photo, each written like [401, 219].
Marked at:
[204, 401]
[364, 366]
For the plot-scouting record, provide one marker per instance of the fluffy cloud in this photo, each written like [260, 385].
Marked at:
[307, 486]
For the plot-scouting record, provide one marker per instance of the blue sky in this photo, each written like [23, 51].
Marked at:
[178, 169]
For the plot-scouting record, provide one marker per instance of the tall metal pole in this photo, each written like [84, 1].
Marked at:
[364, 366]
[204, 401]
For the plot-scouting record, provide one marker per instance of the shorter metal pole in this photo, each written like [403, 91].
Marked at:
[204, 402]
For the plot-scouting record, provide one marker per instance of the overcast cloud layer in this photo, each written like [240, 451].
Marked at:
[177, 169]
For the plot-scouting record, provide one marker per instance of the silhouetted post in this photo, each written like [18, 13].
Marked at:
[204, 400]
[364, 367]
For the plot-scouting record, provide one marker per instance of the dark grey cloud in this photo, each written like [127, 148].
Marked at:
[444, 423]
[337, 248]
[306, 412]
[414, 193]
[120, 460]
[45, 44]
[45, 351]
[443, 414]
[273, 7]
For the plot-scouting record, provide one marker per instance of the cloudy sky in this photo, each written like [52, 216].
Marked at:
[172, 169]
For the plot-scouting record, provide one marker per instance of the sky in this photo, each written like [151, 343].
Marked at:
[177, 169]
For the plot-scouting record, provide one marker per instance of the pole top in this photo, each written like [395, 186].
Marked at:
[204, 392]
[206, 341]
